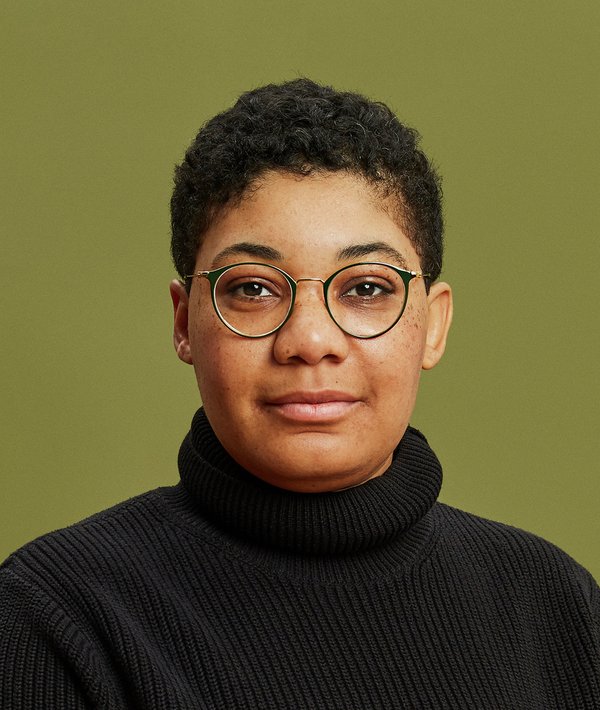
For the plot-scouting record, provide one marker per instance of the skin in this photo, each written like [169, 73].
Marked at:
[262, 396]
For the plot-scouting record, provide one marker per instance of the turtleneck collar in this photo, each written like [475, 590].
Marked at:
[353, 520]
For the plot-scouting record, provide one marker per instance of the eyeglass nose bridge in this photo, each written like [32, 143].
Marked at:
[325, 284]
[294, 283]
[309, 278]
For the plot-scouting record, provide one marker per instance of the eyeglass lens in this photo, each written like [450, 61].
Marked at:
[363, 299]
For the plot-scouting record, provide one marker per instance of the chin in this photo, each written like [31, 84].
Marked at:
[336, 475]
[319, 483]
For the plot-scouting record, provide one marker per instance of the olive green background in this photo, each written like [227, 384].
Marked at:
[99, 101]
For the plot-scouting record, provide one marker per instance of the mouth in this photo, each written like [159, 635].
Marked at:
[313, 407]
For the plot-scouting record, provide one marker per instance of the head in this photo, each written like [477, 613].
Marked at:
[302, 128]
[308, 179]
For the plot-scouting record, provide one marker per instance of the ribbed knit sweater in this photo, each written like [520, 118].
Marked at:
[225, 592]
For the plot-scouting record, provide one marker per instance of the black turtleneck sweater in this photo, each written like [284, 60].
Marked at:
[224, 592]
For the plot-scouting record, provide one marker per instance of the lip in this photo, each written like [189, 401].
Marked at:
[311, 407]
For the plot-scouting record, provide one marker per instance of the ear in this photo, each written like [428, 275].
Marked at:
[439, 303]
[181, 338]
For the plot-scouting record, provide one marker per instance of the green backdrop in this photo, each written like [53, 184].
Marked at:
[99, 101]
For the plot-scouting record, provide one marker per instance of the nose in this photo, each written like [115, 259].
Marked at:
[310, 334]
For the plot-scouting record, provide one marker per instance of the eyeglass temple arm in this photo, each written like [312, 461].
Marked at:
[416, 274]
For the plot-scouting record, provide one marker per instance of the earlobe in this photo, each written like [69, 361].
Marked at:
[181, 339]
[439, 303]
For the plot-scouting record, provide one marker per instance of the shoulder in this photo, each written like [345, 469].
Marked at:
[513, 558]
[62, 597]
[99, 546]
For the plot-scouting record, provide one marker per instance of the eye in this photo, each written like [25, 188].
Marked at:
[366, 290]
[251, 289]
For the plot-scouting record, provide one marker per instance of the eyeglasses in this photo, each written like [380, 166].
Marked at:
[254, 300]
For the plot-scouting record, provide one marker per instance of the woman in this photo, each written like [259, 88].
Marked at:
[303, 561]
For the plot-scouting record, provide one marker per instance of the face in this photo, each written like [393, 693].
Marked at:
[309, 408]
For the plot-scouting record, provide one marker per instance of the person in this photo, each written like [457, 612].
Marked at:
[303, 560]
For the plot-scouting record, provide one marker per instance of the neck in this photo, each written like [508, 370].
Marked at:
[372, 514]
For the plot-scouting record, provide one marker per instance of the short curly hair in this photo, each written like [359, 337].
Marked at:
[302, 127]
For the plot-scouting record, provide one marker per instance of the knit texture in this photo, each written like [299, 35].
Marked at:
[225, 592]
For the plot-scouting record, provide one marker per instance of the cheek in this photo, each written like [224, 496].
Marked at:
[411, 333]
[399, 362]
[224, 363]
[211, 374]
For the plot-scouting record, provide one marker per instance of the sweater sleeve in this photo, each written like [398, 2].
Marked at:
[46, 661]
[595, 607]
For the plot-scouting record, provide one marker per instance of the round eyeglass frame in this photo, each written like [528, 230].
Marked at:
[214, 275]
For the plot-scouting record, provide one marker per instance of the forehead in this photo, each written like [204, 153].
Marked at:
[320, 219]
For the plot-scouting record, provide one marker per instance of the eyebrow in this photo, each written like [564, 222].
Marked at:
[354, 251]
[259, 251]
[357, 251]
